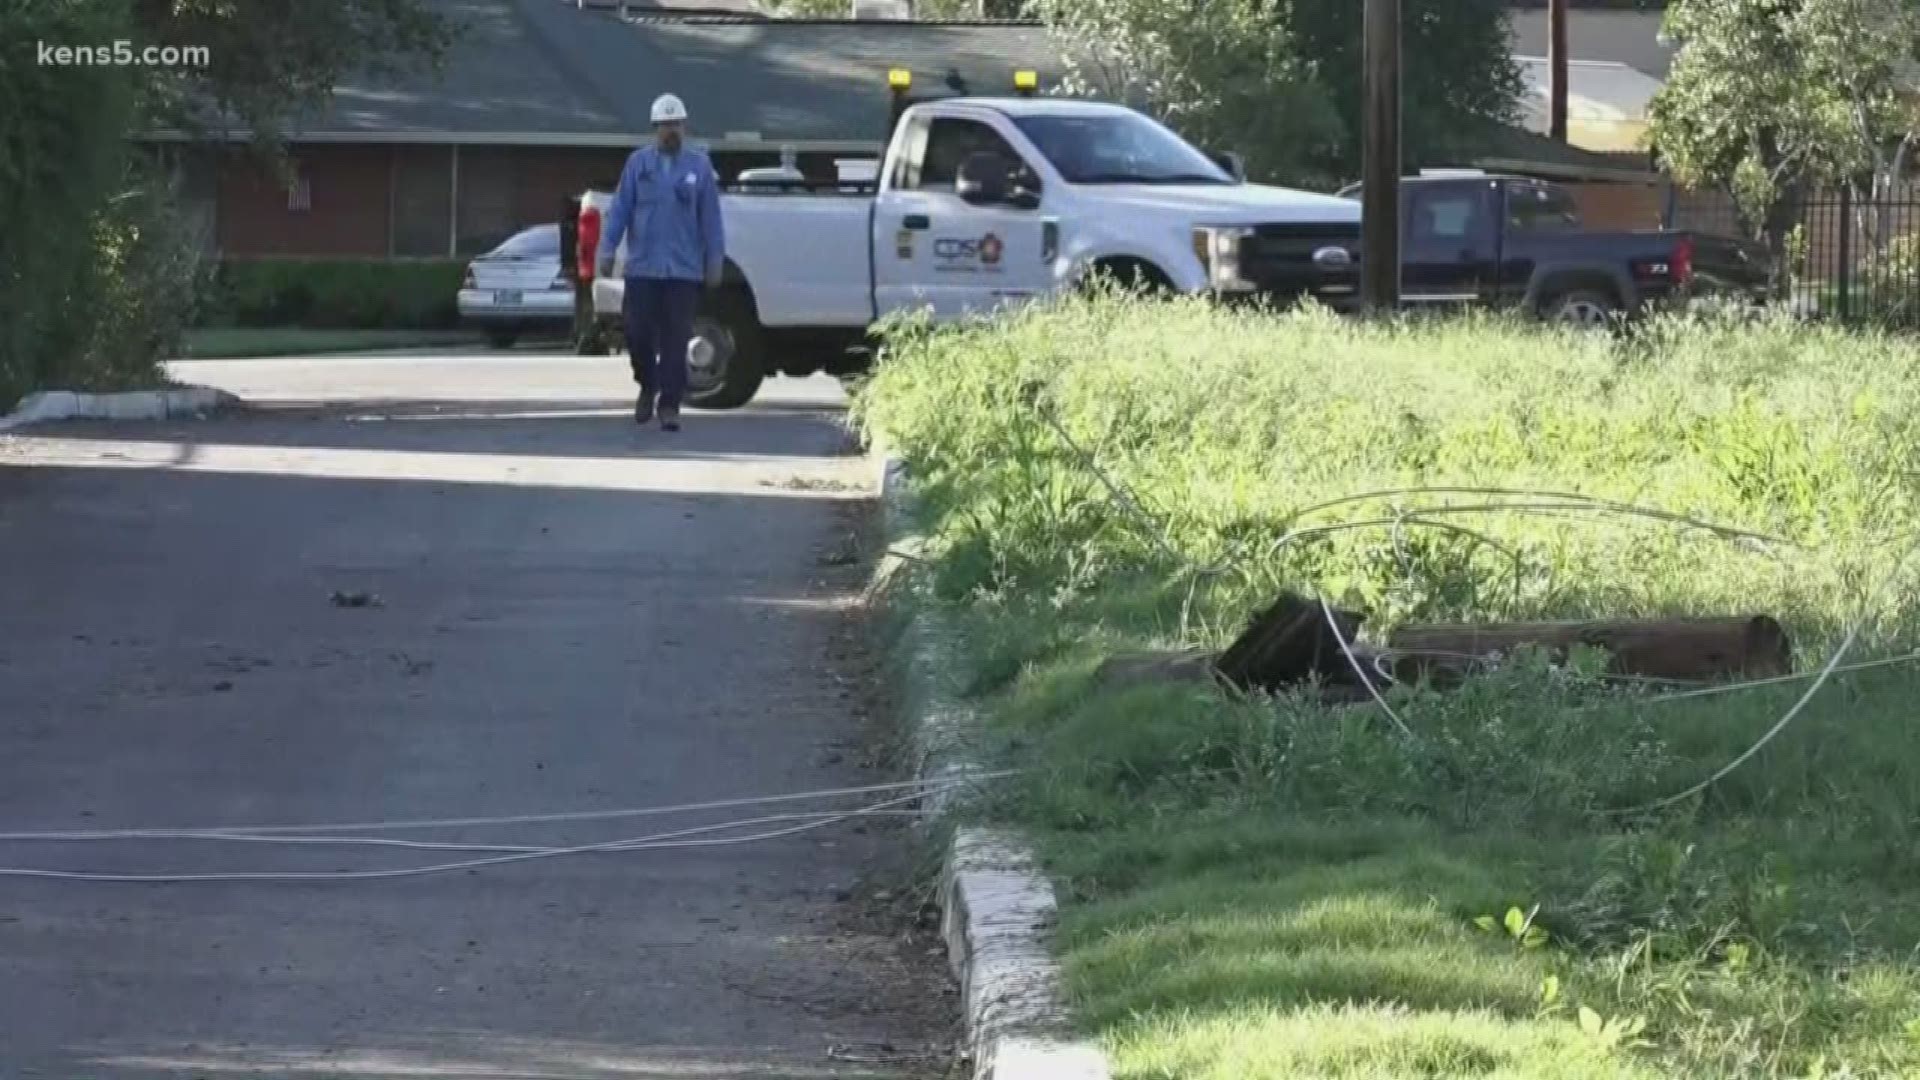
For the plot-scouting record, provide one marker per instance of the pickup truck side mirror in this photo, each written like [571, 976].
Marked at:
[1234, 164]
[985, 179]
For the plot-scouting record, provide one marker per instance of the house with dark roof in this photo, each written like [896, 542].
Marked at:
[538, 99]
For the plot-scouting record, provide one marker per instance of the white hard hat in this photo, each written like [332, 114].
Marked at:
[668, 109]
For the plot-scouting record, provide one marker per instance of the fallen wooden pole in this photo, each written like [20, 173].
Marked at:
[1684, 650]
[1290, 643]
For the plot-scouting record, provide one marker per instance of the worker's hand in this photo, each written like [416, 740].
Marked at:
[713, 277]
[605, 266]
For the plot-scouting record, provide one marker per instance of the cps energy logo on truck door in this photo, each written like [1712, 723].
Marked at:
[958, 255]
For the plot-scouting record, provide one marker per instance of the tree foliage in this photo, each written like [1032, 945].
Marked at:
[1768, 98]
[1228, 74]
[96, 271]
[1280, 80]
[62, 149]
[271, 60]
[1458, 73]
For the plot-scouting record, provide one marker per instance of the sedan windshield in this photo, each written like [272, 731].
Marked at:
[1119, 148]
[539, 242]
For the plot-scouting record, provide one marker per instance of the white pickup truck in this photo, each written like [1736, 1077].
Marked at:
[980, 202]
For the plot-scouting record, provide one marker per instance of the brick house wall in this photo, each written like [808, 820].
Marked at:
[344, 213]
[379, 201]
[406, 201]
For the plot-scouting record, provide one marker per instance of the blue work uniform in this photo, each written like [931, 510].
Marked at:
[667, 209]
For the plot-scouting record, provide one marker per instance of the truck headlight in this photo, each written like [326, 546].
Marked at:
[1218, 248]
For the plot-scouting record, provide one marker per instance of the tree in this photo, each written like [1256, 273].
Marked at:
[1458, 76]
[1770, 98]
[95, 275]
[270, 60]
[61, 154]
[1280, 80]
[1227, 73]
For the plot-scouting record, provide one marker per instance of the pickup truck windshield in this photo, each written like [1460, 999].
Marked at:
[1118, 148]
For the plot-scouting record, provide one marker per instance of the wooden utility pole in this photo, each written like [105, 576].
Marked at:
[1380, 193]
[1557, 70]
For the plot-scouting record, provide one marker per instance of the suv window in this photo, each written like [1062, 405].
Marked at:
[950, 142]
[1537, 208]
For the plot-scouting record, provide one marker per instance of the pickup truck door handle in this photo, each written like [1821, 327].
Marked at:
[917, 222]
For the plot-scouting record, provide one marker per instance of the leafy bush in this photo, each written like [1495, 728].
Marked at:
[61, 155]
[360, 294]
[142, 284]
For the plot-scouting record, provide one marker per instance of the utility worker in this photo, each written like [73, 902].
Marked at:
[667, 209]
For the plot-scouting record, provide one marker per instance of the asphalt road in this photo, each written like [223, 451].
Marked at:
[561, 613]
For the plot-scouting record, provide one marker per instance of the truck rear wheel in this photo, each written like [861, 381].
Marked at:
[1584, 308]
[726, 360]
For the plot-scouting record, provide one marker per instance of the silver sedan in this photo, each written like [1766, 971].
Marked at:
[517, 287]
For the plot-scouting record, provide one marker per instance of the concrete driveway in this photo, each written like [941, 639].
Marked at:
[427, 587]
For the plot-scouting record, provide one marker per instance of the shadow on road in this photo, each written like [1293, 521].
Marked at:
[277, 619]
[586, 427]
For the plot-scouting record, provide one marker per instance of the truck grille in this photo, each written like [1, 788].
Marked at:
[1280, 259]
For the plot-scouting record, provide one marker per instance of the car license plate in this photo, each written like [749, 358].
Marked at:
[506, 296]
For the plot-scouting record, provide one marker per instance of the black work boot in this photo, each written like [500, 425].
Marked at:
[670, 418]
[643, 407]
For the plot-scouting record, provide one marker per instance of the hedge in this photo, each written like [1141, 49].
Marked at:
[358, 294]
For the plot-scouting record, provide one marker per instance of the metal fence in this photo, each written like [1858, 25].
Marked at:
[1851, 259]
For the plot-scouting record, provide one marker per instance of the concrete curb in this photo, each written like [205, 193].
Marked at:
[997, 909]
[52, 406]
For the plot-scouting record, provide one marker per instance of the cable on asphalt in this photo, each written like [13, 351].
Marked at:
[515, 819]
[411, 845]
[641, 843]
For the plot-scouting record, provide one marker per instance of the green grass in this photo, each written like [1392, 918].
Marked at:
[235, 343]
[1258, 888]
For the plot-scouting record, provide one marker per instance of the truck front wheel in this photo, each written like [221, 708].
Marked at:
[726, 360]
[1133, 276]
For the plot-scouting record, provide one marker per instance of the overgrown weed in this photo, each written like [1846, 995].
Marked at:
[1256, 884]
